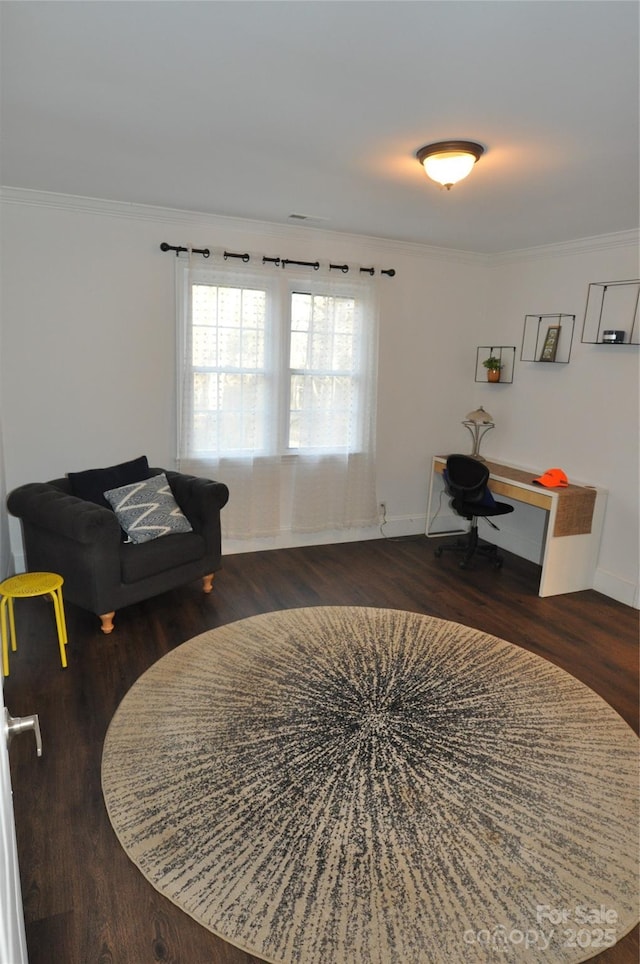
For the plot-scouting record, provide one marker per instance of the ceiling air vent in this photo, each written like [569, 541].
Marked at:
[306, 217]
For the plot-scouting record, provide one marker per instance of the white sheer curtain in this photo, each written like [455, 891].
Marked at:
[333, 473]
[277, 372]
[227, 355]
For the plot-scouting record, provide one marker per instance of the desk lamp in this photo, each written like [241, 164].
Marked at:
[478, 423]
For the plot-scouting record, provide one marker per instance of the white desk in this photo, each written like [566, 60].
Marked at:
[573, 525]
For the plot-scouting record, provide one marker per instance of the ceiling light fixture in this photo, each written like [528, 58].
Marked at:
[447, 162]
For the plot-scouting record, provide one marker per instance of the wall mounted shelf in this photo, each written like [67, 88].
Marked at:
[611, 313]
[505, 354]
[547, 338]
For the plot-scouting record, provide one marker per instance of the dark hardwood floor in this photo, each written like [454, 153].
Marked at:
[85, 903]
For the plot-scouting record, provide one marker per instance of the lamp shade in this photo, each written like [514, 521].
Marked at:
[448, 162]
[480, 417]
[479, 423]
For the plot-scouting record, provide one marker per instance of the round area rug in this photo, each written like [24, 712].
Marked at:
[344, 785]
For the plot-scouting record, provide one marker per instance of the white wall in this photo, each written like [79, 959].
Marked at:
[88, 353]
[582, 417]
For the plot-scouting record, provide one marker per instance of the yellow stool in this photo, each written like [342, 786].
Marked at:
[31, 584]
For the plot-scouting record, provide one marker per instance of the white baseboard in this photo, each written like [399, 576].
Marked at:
[616, 588]
[392, 529]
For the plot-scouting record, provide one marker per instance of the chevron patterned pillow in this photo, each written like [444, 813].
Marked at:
[147, 510]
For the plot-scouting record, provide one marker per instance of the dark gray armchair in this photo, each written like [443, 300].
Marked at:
[83, 542]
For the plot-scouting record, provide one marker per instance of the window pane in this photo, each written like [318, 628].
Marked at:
[229, 412]
[320, 411]
[299, 342]
[344, 352]
[205, 303]
[323, 376]
[300, 311]
[204, 345]
[229, 378]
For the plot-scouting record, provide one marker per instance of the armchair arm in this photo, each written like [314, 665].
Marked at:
[200, 499]
[47, 507]
[77, 539]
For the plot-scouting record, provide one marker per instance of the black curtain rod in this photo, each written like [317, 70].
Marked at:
[178, 248]
[278, 262]
[305, 264]
[229, 254]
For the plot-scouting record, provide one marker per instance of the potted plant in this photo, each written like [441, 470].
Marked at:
[493, 366]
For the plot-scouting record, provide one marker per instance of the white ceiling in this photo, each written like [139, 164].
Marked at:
[266, 109]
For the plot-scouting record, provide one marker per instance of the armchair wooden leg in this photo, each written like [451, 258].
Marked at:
[106, 620]
[207, 582]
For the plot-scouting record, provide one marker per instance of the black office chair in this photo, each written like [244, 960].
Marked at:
[467, 480]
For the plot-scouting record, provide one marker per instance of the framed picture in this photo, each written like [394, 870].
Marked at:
[550, 346]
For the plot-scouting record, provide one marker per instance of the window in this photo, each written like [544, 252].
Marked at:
[239, 397]
[275, 367]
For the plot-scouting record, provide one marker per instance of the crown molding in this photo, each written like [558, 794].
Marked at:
[601, 242]
[268, 229]
[264, 229]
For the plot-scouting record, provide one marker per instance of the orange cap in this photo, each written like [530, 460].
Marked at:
[553, 478]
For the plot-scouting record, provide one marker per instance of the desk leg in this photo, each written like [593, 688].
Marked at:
[455, 527]
[569, 562]
[430, 500]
